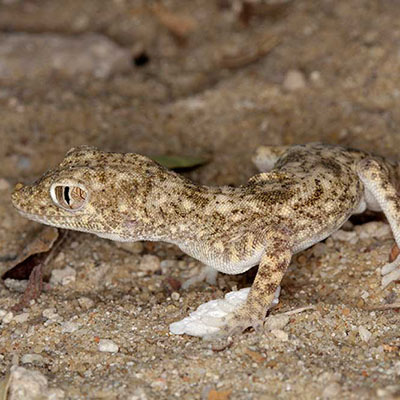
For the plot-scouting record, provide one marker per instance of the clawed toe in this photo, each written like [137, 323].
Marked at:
[390, 272]
[234, 325]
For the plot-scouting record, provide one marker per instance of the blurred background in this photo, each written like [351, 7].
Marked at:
[197, 78]
[211, 78]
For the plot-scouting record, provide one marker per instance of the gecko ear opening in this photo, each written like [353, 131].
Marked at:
[69, 197]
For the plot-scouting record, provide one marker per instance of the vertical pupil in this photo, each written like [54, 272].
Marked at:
[66, 195]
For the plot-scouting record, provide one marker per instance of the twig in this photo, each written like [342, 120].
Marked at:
[384, 307]
[297, 310]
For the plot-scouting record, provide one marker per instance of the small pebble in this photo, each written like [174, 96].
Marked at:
[374, 229]
[51, 315]
[364, 294]
[4, 185]
[60, 258]
[32, 358]
[319, 250]
[85, 303]
[63, 276]
[276, 322]
[280, 335]
[364, 333]
[166, 266]
[345, 236]
[106, 345]
[150, 263]
[175, 296]
[8, 317]
[315, 77]
[294, 80]
[331, 391]
[26, 384]
[16, 285]
[21, 318]
[131, 247]
[69, 327]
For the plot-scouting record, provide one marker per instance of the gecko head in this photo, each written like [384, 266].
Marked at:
[90, 191]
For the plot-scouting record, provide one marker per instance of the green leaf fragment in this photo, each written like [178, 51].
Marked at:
[179, 162]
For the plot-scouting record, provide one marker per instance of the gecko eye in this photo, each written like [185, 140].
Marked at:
[69, 197]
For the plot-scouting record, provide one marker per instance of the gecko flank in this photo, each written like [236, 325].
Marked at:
[303, 194]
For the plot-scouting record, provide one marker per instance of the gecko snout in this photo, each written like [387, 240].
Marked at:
[19, 193]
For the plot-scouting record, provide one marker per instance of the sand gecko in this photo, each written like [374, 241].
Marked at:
[303, 194]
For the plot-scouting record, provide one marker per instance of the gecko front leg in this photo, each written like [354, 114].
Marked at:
[376, 179]
[273, 265]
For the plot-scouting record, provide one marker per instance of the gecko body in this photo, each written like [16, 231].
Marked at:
[302, 195]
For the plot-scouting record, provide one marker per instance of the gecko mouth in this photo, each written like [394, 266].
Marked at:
[46, 219]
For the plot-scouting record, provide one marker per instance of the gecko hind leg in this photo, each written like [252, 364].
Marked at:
[376, 179]
[273, 265]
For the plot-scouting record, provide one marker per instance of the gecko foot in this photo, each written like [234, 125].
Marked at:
[392, 275]
[390, 272]
[236, 322]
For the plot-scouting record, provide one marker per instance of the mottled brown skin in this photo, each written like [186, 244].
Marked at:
[305, 193]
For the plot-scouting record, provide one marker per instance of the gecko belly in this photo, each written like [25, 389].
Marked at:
[222, 264]
[241, 266]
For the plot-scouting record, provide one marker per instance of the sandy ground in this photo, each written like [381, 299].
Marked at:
[213, 79]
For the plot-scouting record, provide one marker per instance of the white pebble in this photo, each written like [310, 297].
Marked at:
[32, 358]
[51, 315]
[85, 302]
[69, 327]
[150, 263]
[30, 385]
[166, 265]
[108, 346]
[364, 333]
[364, 294]
[345, 236]
[315, 76]
[8, 318]
[60, 258]
[63, 276]
[21, 318]
[374, 229]
[280, 334]
[294, 80]
[16, 285]
[175, 296]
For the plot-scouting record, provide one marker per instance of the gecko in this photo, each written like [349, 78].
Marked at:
[302, 194]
